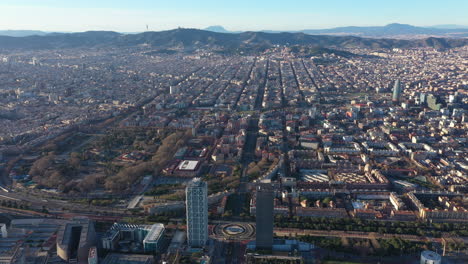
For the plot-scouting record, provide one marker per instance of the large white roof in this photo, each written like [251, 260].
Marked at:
[188, 165]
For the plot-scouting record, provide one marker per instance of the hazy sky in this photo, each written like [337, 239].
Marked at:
[132, 16]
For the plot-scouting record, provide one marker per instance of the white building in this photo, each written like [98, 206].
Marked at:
[151, 236]
[4, 231]
[430, 257]
[197, 212]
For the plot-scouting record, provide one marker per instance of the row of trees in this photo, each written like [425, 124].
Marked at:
[219, 184]
[132, 139]
[49, 172]
[398, 246]
[386, 247]
[383, 227]
[255, 169]
[14, 204]
[163, 189]
[126, 177]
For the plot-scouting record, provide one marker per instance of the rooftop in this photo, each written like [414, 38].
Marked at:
[188, 165]
[155, 233]
[115, 258]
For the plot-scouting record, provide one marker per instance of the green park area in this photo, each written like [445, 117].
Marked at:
[114, 162]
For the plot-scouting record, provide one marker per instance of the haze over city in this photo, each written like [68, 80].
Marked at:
[140, 132]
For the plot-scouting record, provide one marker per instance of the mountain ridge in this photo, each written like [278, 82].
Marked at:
[220, 29]
[389, 30]
[393, 29]
[22, 33]
[190, 39]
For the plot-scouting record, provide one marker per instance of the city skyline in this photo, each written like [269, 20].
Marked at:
[233, 132]
[125, 16]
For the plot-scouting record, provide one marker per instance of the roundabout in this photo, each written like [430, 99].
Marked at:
[235, 231]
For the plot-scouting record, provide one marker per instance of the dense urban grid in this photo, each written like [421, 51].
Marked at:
[139, 154]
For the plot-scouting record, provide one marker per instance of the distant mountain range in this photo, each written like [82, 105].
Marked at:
[394, 30]
[220, 29]
[191, 39]
[22, 33]
[450, 26]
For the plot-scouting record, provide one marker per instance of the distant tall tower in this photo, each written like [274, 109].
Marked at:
[197, 213]
[264, 216]
[422, 98]
[173, 89]
[3, 227]
[396, 91]
[312, 112]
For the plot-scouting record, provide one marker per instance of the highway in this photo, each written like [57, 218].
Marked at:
[58, 206]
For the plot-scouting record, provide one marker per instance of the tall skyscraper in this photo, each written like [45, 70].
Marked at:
[396, 91]
[264, 216]
[197, 213]
[422, 98]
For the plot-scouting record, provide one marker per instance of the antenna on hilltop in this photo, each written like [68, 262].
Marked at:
[146, 27]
